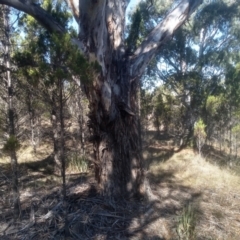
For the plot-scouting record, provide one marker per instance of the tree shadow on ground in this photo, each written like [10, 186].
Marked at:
[156, 154]
[35, 174]
[90, 216]
[157, 135]
[160, 146]
[44, 166]
[220, 158]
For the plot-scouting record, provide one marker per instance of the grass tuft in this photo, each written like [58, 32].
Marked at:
[77, 163]
[186, 224]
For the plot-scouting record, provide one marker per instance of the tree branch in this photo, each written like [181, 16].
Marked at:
[43, 17]
[160, 34]
[37, 12]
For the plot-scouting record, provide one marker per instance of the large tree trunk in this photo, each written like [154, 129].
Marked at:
[113, 93]
[117, 147]
[114, 121]
[113, 100]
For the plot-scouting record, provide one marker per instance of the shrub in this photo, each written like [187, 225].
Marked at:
[12, 144]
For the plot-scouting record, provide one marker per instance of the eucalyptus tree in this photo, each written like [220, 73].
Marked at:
[113, 92]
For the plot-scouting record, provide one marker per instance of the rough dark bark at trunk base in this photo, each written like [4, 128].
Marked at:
[117, 145]
[119, 155]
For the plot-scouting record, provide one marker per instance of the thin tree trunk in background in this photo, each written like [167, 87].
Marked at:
[55, 135]
[230, 131]
[62, 153]
[80, 118]
[11, 127]
[32, 117]
[62, 139]
[82, 135]
[236, 146]
[38, 129]
[220, 140]
[139, 117]
[224, 140]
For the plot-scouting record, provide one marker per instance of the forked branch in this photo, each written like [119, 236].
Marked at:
[42, 16]
[160, 34]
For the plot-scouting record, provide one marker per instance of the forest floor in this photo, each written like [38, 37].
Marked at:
[191, 197]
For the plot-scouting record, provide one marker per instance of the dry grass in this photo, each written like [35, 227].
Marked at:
[218, 206]
[177, 180]
[26, 154]
[77, 163]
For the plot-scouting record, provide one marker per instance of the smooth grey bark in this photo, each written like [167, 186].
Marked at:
[112, 96]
